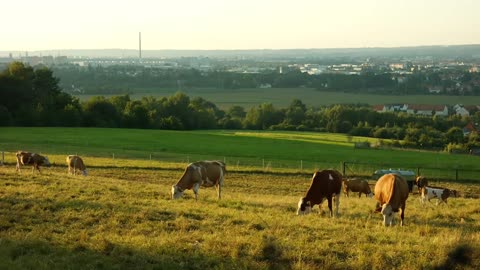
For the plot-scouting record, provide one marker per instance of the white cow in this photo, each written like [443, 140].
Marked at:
[429, 193]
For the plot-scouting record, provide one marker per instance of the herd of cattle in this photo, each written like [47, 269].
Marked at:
[391, 190]
[74, 162]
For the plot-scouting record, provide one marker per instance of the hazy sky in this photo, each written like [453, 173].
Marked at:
[236, 24]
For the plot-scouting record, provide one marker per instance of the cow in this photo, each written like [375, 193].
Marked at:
[325, 184]
[391, 192]
[441, 194]
[201, 173]
[75, 163]
[421, 181]
[357, 185]
[27, 158]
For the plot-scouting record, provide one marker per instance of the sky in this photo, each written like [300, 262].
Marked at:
[235, 24]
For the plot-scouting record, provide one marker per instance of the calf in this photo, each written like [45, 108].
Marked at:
[76, 163]
[441, 194]
[27, 158]
[325, 184]
[357, 185]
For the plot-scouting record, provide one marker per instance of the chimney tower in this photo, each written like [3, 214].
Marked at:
[140, 46]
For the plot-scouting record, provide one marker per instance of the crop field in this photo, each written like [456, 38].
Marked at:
[122, 217]
[282, 97]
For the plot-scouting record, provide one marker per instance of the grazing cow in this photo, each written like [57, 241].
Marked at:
[391, 192]
[357, 185]
[441, 194]
[201, 173]
[325, 184]
[76, 163]
[27, 158]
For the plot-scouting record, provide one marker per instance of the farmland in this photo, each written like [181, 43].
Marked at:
[282, 97]
[122, 217]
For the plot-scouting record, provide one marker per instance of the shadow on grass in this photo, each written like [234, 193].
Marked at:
[35, 254]
[462, 256]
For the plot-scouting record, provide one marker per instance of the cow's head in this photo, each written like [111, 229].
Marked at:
[304, 207]
[85, 172]
[387, 213]
[421, 182]
[177, 192]
[46, 162]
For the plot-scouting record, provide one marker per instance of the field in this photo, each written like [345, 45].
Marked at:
[123, 218]
[121, 215]
[282, 97]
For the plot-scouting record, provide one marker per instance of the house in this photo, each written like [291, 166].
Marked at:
[460, 110]
[469, 128]
[428, 110]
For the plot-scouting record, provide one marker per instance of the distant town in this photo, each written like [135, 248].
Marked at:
[449, 70]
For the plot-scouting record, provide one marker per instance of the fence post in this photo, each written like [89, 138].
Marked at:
[418, 171]
[456, 175]
[150, 156]
[301, 165]
[343, 167]
[263, 164]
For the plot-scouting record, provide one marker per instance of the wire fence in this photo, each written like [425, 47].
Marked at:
[348, 168]
[446, 174]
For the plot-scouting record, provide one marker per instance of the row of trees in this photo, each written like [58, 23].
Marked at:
[120, 79]
[32, 97]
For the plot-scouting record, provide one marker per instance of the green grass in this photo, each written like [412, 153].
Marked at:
[123, 218]
[282, 97]
[267, 151]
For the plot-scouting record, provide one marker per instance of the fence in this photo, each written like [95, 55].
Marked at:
[348, 168]
[450, 174]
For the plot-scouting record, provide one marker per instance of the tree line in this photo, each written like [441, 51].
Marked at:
[32, 97]
[122, 79]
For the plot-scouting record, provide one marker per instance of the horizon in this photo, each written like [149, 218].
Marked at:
[234, 25]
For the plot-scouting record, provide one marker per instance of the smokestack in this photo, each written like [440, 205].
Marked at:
[139, 45]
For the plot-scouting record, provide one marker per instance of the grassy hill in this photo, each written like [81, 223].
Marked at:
[242, 150]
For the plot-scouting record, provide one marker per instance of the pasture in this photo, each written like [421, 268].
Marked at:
[242, 150]
[282, 97]
[122, 217]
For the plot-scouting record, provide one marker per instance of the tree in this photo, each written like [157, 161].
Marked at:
[455, 135]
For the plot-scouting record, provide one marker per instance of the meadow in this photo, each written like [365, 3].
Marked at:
[282, 97]
[123, 218]
[121, 215]
[289, 152]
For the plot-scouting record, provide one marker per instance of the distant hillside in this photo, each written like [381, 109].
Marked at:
[450, 52]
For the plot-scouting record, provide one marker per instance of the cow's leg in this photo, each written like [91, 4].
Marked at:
[196, 187]
[330, 205]
[219, 185]
[337, 203]
[402, 215]
[359, 194]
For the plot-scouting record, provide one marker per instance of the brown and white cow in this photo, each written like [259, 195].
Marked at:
[200, 173]
[391, 192]
[27, 158]
[421, 181]
[441, 194]
[75, 163]
[357, 185]
[325, 184]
